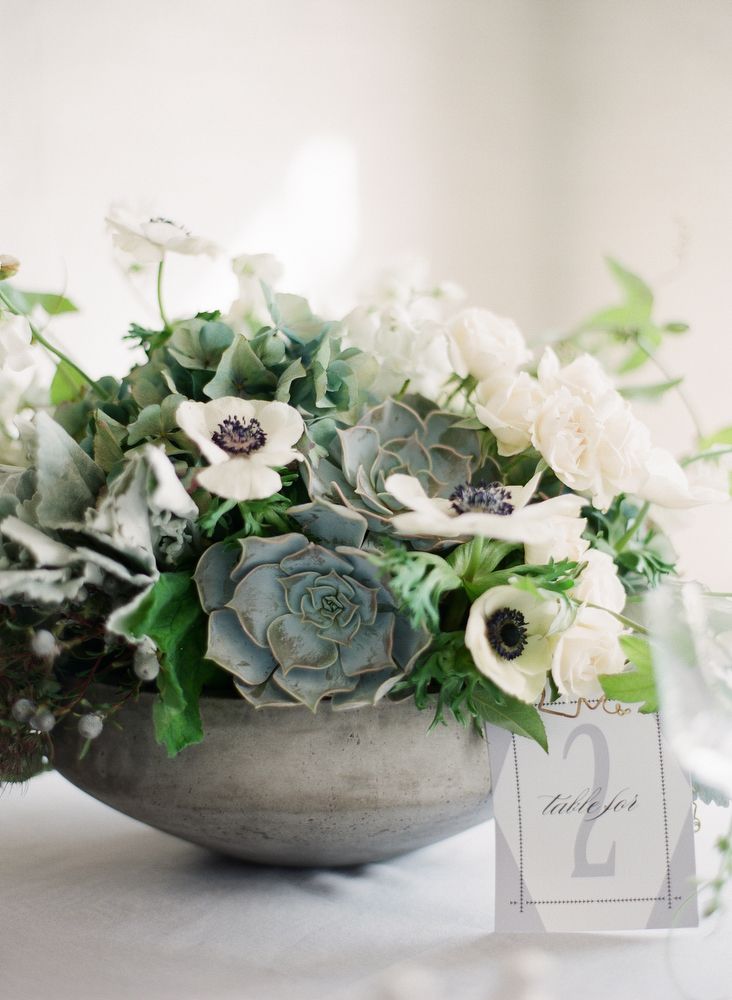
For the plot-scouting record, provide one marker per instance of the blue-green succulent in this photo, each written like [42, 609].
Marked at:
[410, 436]
[295, 622]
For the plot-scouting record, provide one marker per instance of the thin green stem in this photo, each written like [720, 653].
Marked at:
[164, 318]
[712, 453]
[39, 338]
[634, 525]
[681, 393]
[627, 622]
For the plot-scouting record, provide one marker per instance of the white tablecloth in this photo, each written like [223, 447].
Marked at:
[98, 907]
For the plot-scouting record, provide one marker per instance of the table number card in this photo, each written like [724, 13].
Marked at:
[598, 833]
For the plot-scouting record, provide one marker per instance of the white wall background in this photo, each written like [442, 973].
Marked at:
[512, 142]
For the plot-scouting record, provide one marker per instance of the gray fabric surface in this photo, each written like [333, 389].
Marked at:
[98, 907]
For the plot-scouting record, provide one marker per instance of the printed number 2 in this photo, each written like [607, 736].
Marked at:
[582, 867]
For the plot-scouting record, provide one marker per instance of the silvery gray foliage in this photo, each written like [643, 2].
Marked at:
[63, 530]
[409, 436]
[296, 622]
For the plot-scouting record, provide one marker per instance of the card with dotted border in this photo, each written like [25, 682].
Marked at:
[598, 834]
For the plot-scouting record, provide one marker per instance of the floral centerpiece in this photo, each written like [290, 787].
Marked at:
[406, 503]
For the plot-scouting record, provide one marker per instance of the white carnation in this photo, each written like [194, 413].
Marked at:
[599, 582]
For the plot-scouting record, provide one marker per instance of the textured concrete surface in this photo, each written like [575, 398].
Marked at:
[281, 786]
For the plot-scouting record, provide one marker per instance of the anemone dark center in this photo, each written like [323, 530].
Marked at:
[239, 438]
[491, 498]
[507, 633]
[169, 222]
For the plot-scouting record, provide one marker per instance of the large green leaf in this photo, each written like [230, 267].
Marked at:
[509, 713]
[633, 685]
[53, 304]
[240, 373]
[67, 386]
[172, 617]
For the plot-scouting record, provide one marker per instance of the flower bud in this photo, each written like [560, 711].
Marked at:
[146, 664]
[91, 725]
[9, 266]
[23, 709]
[44, 645]
[42, 721]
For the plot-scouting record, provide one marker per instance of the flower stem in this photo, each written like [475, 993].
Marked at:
[48, 346]
[634, 525]
[164, 318]
[627, 622]
[681, 393]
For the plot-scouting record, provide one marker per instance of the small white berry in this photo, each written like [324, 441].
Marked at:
[146, 664]
[91, 725]
[42, 721]
[23, 709]
[44, 645]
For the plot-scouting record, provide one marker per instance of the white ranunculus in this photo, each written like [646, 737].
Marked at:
[506, 405]
[485, 345]
[599, 582]
[509, 635]
[488, 511]
[244, 440]
[584, 651]
[565, 541]
[147, 240]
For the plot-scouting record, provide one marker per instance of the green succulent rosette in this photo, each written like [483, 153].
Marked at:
[410, 436]
[295, 622]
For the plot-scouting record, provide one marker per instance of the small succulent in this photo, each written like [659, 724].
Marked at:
[409, 436]
[296, 622]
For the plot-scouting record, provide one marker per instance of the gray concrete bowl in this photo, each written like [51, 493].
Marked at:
[285, 787]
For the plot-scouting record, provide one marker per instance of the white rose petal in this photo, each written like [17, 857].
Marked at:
[599, 582]
[565, 541]
[665, 483]
[485, 345]
[584, 651]
[507, 405]
[520, 671]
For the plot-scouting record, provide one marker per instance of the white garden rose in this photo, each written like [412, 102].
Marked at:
[564, 542]
[507, 404]
[147, 240]
[599, 582]
[599, 448]
[245, 440]
[485, 345]
[510, 639]
[584, 651]
[488, 510]
[584, 376]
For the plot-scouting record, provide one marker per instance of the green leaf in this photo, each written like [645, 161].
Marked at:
[634, 685]
[172, 617]
[719, 437]
[107, 442]
[637, 292]
[643, 392]
[53, 304]
[509, 713]
[67, 385]
[240, 373]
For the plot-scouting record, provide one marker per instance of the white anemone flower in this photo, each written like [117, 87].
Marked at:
[488, 510]
[509, 635]
[148, 240]
[244, 440]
